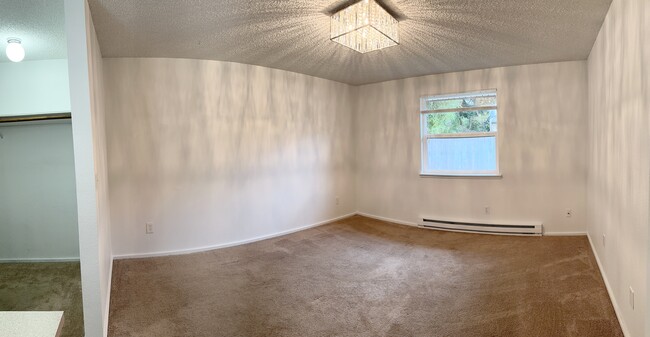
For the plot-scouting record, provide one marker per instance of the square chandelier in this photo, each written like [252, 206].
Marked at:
[364, 26]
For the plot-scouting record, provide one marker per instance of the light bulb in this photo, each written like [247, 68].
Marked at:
[15, 50]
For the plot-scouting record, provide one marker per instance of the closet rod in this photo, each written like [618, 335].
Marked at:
[34, 118]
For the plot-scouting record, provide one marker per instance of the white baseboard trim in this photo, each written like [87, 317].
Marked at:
[377, 217]
[564, 234]
[228, 244]
[617, 309]
[40, 259]
[107, 307]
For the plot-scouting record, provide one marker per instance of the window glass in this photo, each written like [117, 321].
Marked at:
[459, 134]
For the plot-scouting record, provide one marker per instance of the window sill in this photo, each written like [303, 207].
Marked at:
[460, 175]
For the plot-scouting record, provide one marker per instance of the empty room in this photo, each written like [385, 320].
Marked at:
[324, 168]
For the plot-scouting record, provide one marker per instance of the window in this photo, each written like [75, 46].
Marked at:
[459, 134]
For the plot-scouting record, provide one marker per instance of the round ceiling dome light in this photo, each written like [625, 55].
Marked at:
[15, 50]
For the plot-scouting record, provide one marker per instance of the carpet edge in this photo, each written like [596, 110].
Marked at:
[610, 293]
[229, 244]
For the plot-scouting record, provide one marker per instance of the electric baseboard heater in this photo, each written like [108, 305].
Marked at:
[498, 228]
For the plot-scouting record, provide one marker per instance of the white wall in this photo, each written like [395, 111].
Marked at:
[87, 101]
[34, 87]
[100, 151]
[619, 165]
[542, 116]
[215, 153]
[38, 210]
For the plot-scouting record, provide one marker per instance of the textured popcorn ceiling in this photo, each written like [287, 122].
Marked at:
[436, 36]
[40, 24]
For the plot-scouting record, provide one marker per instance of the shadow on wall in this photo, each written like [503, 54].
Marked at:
[214, 152]
[38, 214]
[619, 184]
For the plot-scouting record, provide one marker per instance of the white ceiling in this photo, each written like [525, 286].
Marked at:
[436, 36]
[40, 24]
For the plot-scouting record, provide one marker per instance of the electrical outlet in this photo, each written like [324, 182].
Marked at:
[568, 213]
[487, 209]
[149, 228]
[632, 298]
[603, 240]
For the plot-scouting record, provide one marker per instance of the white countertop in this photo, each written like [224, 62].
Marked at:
[31, 323]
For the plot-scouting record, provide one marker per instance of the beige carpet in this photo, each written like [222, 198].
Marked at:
[363, 277]
[44, 287]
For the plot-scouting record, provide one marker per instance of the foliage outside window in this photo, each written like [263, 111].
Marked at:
[459, 134]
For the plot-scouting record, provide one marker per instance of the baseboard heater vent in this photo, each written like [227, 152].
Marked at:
[485, 228]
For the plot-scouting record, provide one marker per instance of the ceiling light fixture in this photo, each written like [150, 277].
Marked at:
[364, 26]
[15, 50]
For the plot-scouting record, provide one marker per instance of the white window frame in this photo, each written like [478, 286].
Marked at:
[424, 137]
